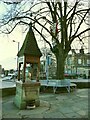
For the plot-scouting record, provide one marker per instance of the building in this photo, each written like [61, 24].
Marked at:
[75, 64]
[78, 63]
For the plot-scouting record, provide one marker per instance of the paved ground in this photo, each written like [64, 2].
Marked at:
[62, 105]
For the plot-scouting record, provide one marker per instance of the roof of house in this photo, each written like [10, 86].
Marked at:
[30, 46]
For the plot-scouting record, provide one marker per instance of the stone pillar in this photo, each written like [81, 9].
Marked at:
[27, 94]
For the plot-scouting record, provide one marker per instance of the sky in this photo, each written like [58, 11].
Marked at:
[8, 48]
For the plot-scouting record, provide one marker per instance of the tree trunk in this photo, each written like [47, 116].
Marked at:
[60, 59]
[60, 66]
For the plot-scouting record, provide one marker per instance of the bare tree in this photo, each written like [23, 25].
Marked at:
[58, 23]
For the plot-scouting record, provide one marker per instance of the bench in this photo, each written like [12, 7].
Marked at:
[58, 84]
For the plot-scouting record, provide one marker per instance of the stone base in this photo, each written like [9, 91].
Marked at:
[27, 94]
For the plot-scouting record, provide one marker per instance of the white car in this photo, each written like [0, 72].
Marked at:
[9, 77]
[2, 75]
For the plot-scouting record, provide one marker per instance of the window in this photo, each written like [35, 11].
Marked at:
[88, 62]
[69, 61]
[79, 61]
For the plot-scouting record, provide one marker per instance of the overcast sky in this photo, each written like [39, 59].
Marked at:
[8, 48]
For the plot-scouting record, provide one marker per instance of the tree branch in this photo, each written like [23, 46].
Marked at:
[14, 27]
[81, 23]
[61, 21]
[73, 37]
[71, 18]
[50, 8]
[43, 37]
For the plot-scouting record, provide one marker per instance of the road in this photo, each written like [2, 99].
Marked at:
[11, 83]
[7, 84]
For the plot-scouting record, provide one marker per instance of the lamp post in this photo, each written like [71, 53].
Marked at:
[48, 62]
[18, 51]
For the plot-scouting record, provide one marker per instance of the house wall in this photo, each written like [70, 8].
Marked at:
[78, 64]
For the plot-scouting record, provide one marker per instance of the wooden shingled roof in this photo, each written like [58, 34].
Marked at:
[30, 46]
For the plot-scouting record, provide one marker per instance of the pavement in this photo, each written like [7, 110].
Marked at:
[61, 105]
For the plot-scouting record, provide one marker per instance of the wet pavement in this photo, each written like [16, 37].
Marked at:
[61, 105]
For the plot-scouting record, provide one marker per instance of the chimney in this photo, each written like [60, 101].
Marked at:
[82, 50]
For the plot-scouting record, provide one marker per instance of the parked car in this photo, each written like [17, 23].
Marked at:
[9, 77]
[70, 76]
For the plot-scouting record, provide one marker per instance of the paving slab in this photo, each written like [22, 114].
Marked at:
[73, 115]
[62, 105]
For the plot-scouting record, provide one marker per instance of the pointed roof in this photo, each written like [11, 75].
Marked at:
[30, 46]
